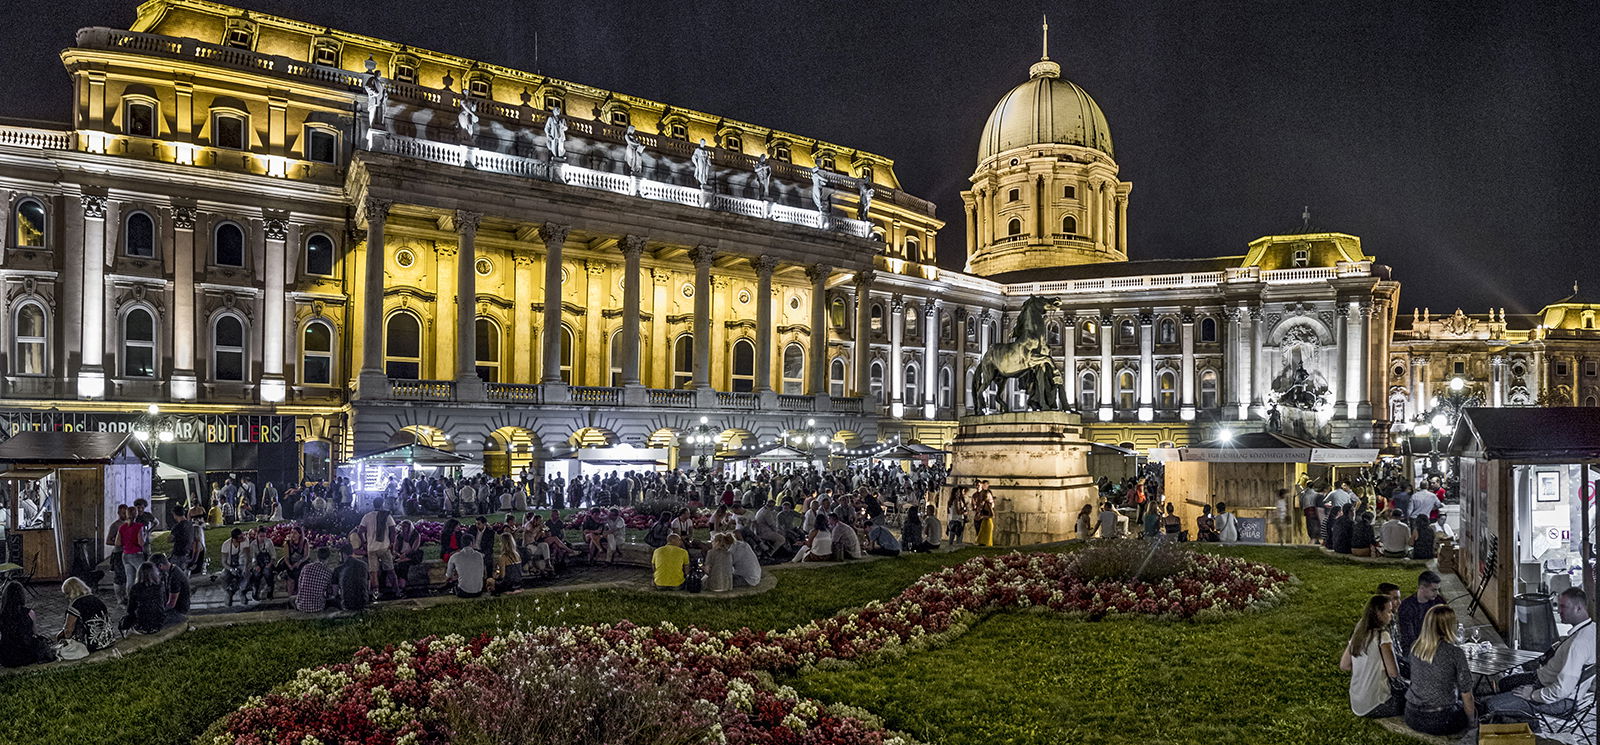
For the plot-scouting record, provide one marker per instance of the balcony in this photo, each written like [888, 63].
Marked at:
[444, 391]
[422, 390]
[515, 393]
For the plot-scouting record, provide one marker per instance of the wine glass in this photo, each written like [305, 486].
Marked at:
[1477, 634]
[1461, 632]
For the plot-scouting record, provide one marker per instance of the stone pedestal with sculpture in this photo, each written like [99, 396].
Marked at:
[1036, 463]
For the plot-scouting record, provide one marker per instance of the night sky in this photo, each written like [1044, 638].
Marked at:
[1456, 139]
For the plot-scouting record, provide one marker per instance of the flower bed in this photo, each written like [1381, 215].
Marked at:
[401, 694]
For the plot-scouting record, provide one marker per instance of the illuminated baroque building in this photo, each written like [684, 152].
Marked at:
[305, 244]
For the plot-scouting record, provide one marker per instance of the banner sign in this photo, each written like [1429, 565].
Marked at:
[208, 429]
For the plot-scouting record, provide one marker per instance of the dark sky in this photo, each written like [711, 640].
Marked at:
[1457, 139]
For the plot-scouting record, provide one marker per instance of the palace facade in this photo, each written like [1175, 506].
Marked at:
[304, 244]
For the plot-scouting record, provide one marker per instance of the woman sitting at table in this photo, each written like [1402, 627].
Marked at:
[1439, 701]
[1369, 658]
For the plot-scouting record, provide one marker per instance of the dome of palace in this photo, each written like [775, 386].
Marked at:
[1046, 109]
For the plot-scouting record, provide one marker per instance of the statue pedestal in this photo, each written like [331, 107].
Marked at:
[1037, 466]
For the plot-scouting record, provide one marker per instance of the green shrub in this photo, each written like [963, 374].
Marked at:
[1128, 559]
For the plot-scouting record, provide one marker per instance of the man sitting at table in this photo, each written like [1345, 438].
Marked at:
[1556, 682]
[1413, 608]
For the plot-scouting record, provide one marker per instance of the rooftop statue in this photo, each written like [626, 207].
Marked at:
[702, 164]
[555, 134]
[818, 198]
[763, 177]
[467, 119]
[864, 189]
[635, 151]
[377, 94]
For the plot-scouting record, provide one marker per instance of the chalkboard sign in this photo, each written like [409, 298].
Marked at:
[1252, 530]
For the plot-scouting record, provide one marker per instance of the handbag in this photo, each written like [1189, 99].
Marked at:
[72, 649]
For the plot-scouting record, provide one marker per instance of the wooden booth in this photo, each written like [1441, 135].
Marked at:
[62, 487]
[1246, 471]
[1528, 482]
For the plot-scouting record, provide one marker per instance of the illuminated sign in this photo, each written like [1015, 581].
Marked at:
[208, 429]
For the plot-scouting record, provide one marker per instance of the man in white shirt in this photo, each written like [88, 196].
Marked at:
[1341, 496]
[1423, 501]
[1394, 537]
[1110, 522]
[1554, 688]
[467, 497]
[466, 570]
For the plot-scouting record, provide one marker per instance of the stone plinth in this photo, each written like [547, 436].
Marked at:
[1036, 464]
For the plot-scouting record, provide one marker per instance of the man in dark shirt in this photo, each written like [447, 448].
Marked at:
[1343, 530]
[352, 580]
[175, 586]
[1412, 609]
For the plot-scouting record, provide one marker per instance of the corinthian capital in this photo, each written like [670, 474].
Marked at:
[553, 234]
[764, 265]
[702, 256]
[818, 273]
[633, 247]
[467, 222]
[865, 277]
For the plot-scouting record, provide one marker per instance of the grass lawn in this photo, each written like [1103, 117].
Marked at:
[1014, 678]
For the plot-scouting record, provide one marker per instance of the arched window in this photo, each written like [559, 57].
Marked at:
[910, 393]
[794, 369]
[836, 313]
[1052, 332]
[1088, 334]
[615, 355]
[876, 317]
[1167, 332]
[139, 117]
[1591, 401]
[316, 354]
[1069, 224]
[227, 348]
[488, 344]
[566, 354]
[1167, 390]
[1125, 393]
[319, 255]
[744, 366]
[683, 362]
[402, 347]
[30, 341]
[139, 344]
[1208, 389]
[1208, 330]
[139, 236]
[1014, 227]
[946, 386]
[30, 224]
[1125, 331]
[910, 321]
[228, 243]
[1088, 391]
[913, 249]
[875, 379]
[836, 379]
[946, 328]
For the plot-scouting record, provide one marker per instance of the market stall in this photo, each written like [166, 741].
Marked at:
[1528, 482]
[374, 472]
[1246, 471]
[60, 492]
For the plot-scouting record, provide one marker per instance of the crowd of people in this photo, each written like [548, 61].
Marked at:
[1407, 658]
[1391, 520]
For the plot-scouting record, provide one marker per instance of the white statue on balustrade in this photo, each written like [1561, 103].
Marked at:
[818, 197]
[864, 191]
[633, 154]
[377, 94]
[555, 134]
[467, 120]
[702, 164]
[763, 177]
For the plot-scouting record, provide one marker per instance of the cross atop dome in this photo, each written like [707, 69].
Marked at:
[1044, 68]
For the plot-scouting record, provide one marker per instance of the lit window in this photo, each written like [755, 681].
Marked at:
[138, 344]
[781, 152]
[1168, 388]
[1169, 331]
[836, 313]
[794, 369]
[554, 102]
[619, 117]
[946, 379]
[825, 161]
[402, 347]
[733, 142]
[238, 38]
[1088, 392]
[683, 362]
[679, 131]
[744, 366]
[227, 348]
[319, 255]
[478, 87]
[566, 355]
[30, 224]
[30, 342]
[1302, 257]
[488, 344]
[227, 131]
[836, 379]
[322, 145]
[875, 378]
[1125, 396]
[326, 54]
[876, 318]
[910, 393]
[139, 238]
[316, 354]
[139, 118]
[229, 245]
[1208, 389]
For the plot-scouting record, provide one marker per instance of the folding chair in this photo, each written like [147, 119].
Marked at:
[1580, 720]
[1487, 575]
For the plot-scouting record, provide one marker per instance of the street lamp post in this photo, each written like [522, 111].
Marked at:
[703, 438]
[1443, 412]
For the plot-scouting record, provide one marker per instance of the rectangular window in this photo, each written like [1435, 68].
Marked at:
[405, 72]
[1561, 369]
[322, 146]
[141, 119]
[1591, 369]
[1069, 192]
[478, 88]
[326, 55]
[1460, 368]
[227, 131]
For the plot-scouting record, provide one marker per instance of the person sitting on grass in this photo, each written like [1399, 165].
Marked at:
[147, 608]
[881, 542]
[88, 619]
[932, 531]
[1172, 525]
[746, 565]
[1408, 620]
[1361, 536]
[407, 554]
[1150, 521]
[846, 543]
[508, 574]
[351, 578]
[657, 535]
[1422, 537]
[314, 585]
[1343, 529]
[1394, 536]
[1556, 681]
[818, 546]
[1439, 700]
[466, 569]
[1369, 658]
[1110, 522]
[719, 563]
[911, 531]
[19, 645]
[669, 563]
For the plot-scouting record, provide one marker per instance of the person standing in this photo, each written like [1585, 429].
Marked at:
[1310, 502]
[983, 509]
[1227, 524]
[119, 571]
[185, 545]
[957, 529]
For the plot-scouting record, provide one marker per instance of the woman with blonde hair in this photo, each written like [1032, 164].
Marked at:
[508, 565]
[1439, 701]
[1369, 658]
[719, 563]
[88, 619]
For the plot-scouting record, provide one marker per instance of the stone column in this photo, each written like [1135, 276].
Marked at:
[702, 256]
[372, 382]
[273, 386]
[817, 274]
[1497, 364]
[1230, 358]
[1247, 353]
[895, 380]
[1355, 354]
[1187, 411]
[596, 344]
[961, 400]
[863, 344]
[522, 349]
[972, 226]
[1147, 368]
[1069, 361]
[1041, 207]
[91, 369]
[1374, 333]
[661, 351]
[1108, 374]
[930, 359]
[632, 252]
[554, 236]
[1122, 223]
[1419, 383]
[764, 266]
[469, 387]
[184, 386]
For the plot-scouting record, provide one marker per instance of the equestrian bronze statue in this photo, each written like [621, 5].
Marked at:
[1025, 358]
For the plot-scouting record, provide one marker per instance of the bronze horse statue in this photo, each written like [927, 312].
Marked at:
[1026, 357]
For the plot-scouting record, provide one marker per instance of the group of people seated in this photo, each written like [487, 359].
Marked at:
[1405, 659]
[1404, 524]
